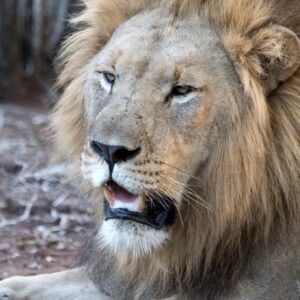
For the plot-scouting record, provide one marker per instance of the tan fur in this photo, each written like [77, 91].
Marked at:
[256, 171]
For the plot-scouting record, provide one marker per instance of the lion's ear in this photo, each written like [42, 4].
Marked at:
[278, 50]
[271, 53]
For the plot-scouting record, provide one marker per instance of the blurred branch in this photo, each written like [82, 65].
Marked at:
[25, 215]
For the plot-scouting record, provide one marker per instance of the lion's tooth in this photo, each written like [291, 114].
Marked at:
[141, 203]
[108, 197]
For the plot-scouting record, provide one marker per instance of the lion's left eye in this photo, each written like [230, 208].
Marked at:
[179, 94]
[181, 90]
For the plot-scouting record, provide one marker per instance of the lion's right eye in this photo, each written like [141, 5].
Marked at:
[107, 80]
[109, 77]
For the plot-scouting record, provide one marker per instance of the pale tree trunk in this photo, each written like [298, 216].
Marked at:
[58, 24]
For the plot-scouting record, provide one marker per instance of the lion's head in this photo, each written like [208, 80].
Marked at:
[187, 117]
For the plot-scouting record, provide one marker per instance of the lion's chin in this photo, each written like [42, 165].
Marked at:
[119, 235]
[131, 227]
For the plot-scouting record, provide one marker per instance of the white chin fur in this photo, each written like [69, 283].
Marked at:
[130, 236]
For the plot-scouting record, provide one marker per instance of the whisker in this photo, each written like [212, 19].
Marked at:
[181, 171]
[168, 193]
[187, 192]
[161, 200]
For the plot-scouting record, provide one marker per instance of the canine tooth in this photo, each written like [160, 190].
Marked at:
[141, 203]
[108, 196]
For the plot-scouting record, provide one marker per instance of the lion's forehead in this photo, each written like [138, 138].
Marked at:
[156, 40]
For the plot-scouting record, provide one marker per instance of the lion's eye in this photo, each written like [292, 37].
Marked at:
[107, 80]
[181, 90]
[109, 77]
[179, 94]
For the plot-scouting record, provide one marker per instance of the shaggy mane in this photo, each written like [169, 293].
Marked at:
[253, 180]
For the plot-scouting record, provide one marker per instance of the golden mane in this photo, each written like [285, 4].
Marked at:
[254, 175]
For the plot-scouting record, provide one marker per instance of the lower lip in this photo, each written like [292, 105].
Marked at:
[156, 216]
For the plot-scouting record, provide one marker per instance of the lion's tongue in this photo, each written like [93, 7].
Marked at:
[118, 197]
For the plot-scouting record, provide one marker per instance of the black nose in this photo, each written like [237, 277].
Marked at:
[114, 154]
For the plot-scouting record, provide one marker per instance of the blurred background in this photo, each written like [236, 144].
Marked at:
[30, 34]
[42, 214]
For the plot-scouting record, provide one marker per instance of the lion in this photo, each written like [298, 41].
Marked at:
[183, 119]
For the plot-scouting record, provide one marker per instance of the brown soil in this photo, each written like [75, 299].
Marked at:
[42, 215]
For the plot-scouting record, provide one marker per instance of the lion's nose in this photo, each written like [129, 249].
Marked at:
[114, 154]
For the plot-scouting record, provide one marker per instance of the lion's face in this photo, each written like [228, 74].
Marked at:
[156, 104]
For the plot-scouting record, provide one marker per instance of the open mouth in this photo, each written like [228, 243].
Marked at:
[154, 211]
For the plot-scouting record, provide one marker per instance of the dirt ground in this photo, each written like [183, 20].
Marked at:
[42, 215]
